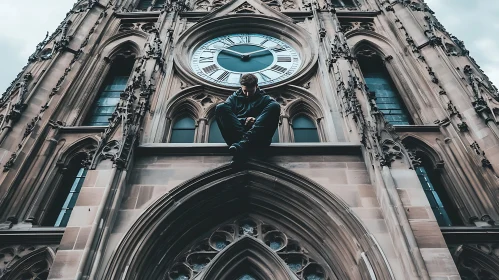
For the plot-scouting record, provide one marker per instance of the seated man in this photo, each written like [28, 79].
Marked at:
[248, 118]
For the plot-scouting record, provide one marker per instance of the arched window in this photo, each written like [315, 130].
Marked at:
[215, 135]
[343, 3]
[183, 130]
[440, 202]
[67, 192]
[378, 80]
[304, 129]
[109, 95]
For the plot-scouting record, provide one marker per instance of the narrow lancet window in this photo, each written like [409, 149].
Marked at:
[183, 130]
[144, 5]
[440, 202]
[304, 129]
[109, 95]
[67, 193]
[378, 80]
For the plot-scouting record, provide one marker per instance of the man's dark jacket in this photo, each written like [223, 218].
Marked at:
[245, 107]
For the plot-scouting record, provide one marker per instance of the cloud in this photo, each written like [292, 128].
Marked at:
[24, 25]
[475, 24]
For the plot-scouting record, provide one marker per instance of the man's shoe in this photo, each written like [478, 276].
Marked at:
[239, 150]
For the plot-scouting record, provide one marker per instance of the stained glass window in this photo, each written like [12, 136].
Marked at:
[109, 95]
[215, 135]
[387, 98]
[304, 129]
[183, 130]
[246, 277]
[159, 3]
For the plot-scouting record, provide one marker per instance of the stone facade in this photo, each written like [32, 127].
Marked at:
[354, 205]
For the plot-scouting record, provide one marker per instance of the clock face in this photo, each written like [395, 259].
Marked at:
[224, 59]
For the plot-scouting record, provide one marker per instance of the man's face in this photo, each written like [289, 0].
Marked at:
[248, 91]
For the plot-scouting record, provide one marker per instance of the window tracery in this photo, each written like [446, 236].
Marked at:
[195, 260]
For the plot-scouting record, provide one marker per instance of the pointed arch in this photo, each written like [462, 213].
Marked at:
[428, 165]
[247, 255]
[298, 206]
[402, 76]
[34, 265]
[477, 262]
[86, 145]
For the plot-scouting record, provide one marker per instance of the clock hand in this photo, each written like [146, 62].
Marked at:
[257, 51]
[238, 53]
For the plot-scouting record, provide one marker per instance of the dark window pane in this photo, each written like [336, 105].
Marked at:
[109, 95]
[433, 197]
[304, 130]
[387, 98]
[159, 3]
[215, 134]
[303, 122]
[343, 3]
[182, 136]
[184, 123]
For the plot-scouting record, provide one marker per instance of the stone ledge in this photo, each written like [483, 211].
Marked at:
[47, 235]
[459, 235]
[417, 128]
[82, 129]
[339, 148]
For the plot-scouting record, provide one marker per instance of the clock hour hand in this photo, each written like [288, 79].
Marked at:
[228, 50]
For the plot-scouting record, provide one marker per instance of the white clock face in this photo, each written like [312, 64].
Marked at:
[224, 59]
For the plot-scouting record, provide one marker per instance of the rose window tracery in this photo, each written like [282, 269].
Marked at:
[190, 264]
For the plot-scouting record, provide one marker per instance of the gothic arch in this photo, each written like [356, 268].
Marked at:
[417, 143]
[86, 144]
[399, 71]
[195, 102]
[125, 44]
[250, 254]
[34, 265]
[478, 262]
[298, 206]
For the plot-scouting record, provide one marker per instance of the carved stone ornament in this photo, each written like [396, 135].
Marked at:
[347, 27]
[148, 27]
[201, 255]
[391, 151]
[11, 256]
[244, 8]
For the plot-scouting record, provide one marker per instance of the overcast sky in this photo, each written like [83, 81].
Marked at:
[25, 23]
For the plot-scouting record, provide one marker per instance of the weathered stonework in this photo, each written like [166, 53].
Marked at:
[350, 207]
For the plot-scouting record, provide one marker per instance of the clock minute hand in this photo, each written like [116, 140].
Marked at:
[250, 53]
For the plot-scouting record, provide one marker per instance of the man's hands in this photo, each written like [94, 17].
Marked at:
[250, 121]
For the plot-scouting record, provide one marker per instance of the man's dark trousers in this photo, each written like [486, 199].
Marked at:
[231, 116]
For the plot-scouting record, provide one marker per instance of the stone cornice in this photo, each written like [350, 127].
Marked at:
[460, 235]
[338, 148]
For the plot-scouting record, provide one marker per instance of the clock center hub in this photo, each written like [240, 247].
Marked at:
[245, 58]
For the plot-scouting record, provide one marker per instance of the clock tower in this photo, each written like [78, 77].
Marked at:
[383, 165]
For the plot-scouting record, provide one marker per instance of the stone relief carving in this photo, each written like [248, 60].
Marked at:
[193, 262]
[148, 27]
[245, 8]
[351, 26]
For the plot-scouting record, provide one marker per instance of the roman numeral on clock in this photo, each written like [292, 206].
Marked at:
[206, 59]
[278, 69]
[245, 39]
[281, 58]
[210, 69]
[224, 76]
[263, 42]
[265, 78]
[278, 48]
